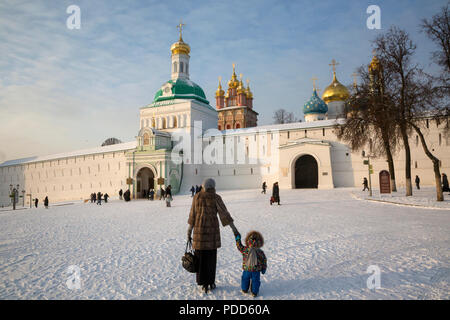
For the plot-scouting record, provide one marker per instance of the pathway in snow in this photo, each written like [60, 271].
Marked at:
[319, 245]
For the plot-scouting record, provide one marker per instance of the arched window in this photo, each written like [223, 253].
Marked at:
[228, 126]
[238, 125]
[187, 68]
[146, 139]
[181, 66]
[175, 67]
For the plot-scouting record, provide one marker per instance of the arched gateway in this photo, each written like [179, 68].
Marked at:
[145, 180]
[306, 173]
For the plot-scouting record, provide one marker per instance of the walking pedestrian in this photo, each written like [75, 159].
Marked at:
[36, 201]
[275, 194]
[366, 184]
[120, 194]
[445, 186]
[417, 182]
[46, 202]
[203, 220]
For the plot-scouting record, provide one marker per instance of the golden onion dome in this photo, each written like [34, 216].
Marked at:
[219, 91]
[180, 47]
[335, 91]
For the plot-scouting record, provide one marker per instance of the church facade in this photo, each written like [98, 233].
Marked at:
[182, 139]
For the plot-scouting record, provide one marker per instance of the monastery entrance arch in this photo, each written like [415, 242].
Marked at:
[145, 180]
[306, 172]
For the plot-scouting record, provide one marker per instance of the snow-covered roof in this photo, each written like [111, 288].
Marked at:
[111, 148]
[278, 127]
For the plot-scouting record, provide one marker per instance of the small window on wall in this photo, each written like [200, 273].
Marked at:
[181, 66]
[323, 132]
[415, 164]
[175, 67]
[440, 139]
[417, 140]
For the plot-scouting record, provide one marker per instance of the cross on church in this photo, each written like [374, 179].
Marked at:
[314, 82]
[334, 64]
[180, 27]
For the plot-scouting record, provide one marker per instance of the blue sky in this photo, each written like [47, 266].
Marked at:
[62, 89]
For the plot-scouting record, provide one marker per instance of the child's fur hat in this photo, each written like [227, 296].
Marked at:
[255, 239]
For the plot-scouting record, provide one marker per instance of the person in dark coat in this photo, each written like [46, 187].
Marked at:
[203, 220]
[94, 197]
[120, 194]
[275, 193]
[46, 202]
[36, 201]
[264, 187]
[417, 182]
[106, 196]
[366, 184]
[196, 189]
[445, 186]
[99, 198]
[151, 194]
[192, 191]
[127, 195]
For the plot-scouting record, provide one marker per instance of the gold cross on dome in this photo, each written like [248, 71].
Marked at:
[180, 27]
[314, 82]
[334, 64]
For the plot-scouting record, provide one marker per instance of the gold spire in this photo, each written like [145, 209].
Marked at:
[355, 82]
[314, 82]
[180, 28]
[241, 88]
[180, 47]
[219, 91]
[233, 83]
[335, 91]
[248, 92]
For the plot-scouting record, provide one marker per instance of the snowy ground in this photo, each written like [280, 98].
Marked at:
[319, 245]
[425, 197]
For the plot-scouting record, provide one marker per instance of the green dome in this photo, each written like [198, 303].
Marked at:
[180, 89]
[315, 105]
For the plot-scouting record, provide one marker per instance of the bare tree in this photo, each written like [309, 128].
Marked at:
[438, 30]
[369, 120]
[282, 116]
[395, 50]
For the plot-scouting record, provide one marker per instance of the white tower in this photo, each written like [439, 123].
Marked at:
[180, 57]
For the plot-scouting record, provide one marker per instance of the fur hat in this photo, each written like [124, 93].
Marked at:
[255, 239]
[209, 183]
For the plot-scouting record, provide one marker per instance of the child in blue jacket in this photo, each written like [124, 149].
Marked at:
[254, 261]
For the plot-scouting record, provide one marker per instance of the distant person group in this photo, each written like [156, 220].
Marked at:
[97, 198]
[36, 202]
